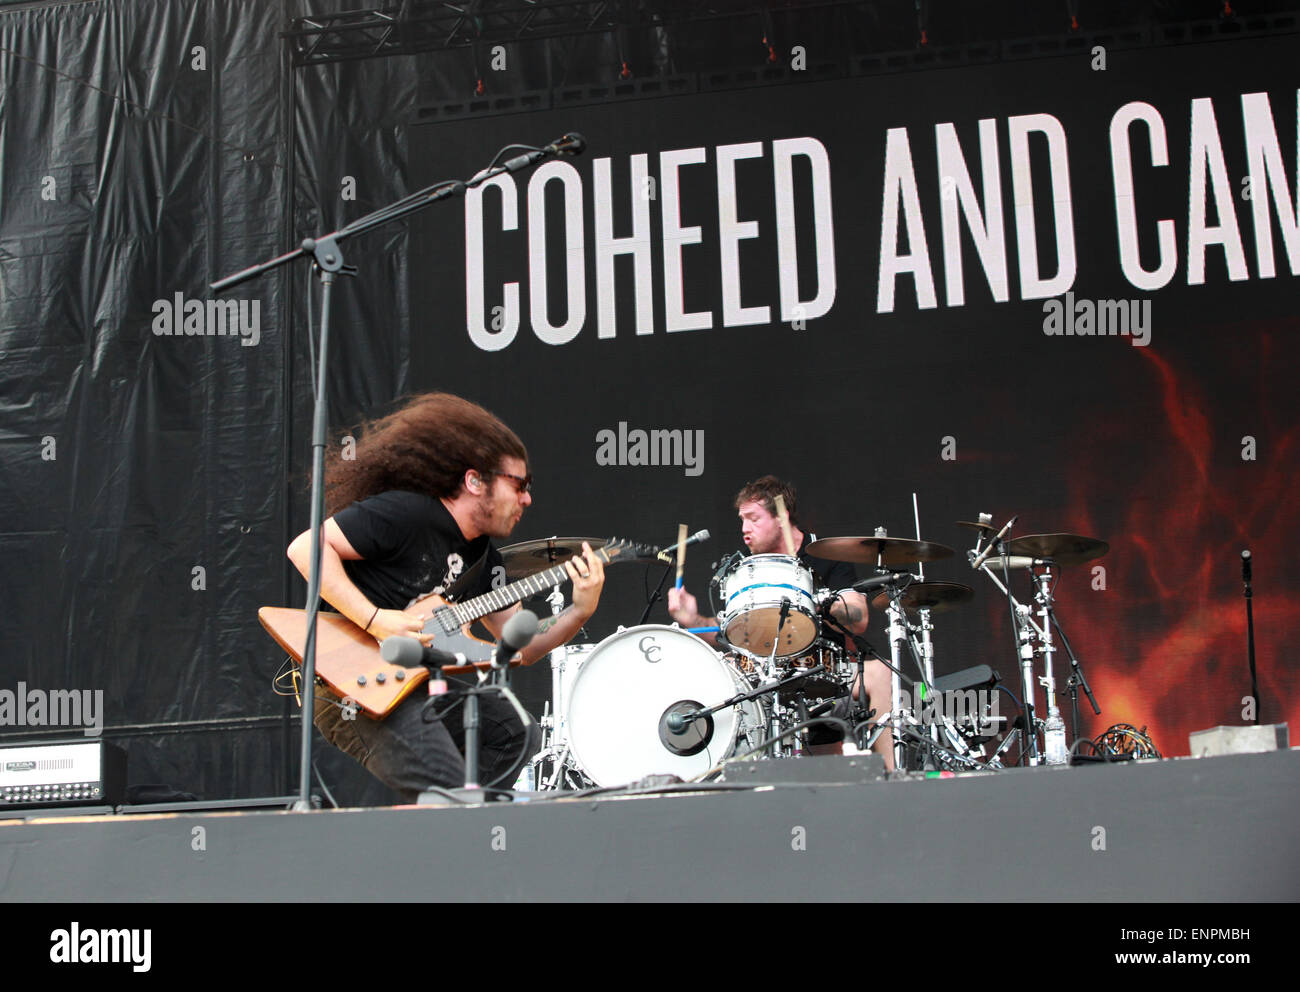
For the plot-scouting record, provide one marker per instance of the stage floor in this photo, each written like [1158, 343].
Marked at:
[1208, 829]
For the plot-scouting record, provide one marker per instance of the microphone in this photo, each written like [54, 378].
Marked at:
[571, 144]
[996, 538]
[410, 653]
[881, 580]
[682, 730]
[1015, 561]
[1245, 566]
[666, 554]
[515, 635]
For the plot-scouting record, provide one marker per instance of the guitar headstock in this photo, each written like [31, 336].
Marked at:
[619, 549]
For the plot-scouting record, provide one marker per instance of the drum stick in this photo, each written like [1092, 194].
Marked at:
[916, 513]
[681, 552]
[784, 517]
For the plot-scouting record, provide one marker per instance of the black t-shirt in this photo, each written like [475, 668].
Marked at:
[410, 547]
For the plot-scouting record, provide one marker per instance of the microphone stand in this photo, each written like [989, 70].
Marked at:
[327, 260]
[1076, 681]
[1249, 593]
[656, 595]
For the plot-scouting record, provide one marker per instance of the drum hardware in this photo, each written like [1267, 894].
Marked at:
[679, 720]
[1039, 553]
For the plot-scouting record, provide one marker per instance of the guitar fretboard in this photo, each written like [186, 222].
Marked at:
[508, 595]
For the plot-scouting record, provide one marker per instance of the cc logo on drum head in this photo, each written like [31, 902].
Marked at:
[650, 649]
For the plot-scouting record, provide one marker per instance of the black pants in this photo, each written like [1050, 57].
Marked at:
[409, 754]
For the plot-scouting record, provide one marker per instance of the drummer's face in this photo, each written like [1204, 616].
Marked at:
[760, 529]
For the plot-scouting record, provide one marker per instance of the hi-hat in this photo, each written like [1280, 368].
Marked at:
[878, 550]
[937, 597]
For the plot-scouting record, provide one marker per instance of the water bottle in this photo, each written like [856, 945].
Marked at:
[1054, 739]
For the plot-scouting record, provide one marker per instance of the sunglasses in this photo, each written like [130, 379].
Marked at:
[523, 483]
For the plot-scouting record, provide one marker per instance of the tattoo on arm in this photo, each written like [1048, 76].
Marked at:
[550, 622]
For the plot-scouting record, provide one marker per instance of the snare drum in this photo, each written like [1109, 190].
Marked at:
[619, 702]
[752, 594]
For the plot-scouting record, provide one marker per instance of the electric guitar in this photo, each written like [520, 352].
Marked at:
[347, 658]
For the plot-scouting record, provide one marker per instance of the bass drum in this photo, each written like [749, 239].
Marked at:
[618, 704]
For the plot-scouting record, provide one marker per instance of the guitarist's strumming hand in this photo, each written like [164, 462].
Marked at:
[588, 576]
[399, 623]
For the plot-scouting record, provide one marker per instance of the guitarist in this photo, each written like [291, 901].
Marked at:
[414, 513]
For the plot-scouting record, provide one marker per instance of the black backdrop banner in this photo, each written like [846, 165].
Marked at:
[1043, 288]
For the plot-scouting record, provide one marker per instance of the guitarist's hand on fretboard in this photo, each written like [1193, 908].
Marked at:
[398, 623]
[587, 573]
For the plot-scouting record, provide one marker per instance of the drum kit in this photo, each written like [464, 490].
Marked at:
[658, 700]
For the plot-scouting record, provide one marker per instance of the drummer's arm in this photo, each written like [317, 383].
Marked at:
[850, 609]
[683, 608]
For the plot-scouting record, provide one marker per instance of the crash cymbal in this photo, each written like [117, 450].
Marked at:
[1063, 549]
[878, 550]
[977, 526]
[938, 597]
[527, 557]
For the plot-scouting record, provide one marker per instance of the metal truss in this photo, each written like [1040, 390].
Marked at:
[430, 25]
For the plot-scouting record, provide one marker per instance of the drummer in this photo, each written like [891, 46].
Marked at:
[760, 527]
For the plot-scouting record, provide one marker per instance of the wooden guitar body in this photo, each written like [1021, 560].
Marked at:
[348, 660]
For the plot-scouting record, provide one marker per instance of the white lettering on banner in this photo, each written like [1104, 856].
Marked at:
[900, 184]
[637, 245]
[475, 307]
[1032, 285]
[1207, 155]
[574, 250]
[494, 327]
[677, 237]
[1268, 174]
[971, 212]
[1121, 160]
[783, 154]
[732, 231]
[986, 228]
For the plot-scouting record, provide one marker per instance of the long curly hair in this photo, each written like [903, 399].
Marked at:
[427, 446]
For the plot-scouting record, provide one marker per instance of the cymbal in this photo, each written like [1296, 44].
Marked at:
[938, 597]
[1064, 549]
[527, 557]
[881, 550]
[977, 526]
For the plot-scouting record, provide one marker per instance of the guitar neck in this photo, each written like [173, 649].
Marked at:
[508, 595]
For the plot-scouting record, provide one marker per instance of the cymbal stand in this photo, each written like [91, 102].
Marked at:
[897, 638]
[1025, 630]
[554, 723]
[1056, 753]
